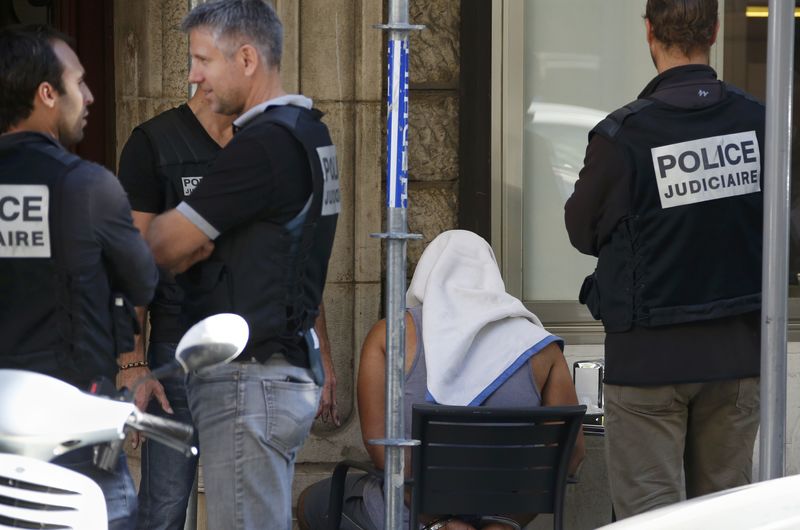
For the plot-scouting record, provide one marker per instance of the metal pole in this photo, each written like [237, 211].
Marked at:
[777, 178]
[396, 236]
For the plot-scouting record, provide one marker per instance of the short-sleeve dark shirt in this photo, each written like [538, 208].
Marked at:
[150, 191]
[263, 173]
[138, 168]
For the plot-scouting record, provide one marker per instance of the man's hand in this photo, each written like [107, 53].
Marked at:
[200, 254]
[328, 410]
[149, 389]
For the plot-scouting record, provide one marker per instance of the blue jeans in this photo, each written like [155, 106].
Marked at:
[252, 419]
[167, 475]
[118, 488]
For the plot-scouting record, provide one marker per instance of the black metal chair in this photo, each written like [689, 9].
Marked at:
[481, 460]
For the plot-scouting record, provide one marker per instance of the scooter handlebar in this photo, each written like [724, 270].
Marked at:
[171, 433]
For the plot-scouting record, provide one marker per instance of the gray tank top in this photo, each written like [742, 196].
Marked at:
[519, 390]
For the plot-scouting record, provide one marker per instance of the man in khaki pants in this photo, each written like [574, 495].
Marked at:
[670, 202]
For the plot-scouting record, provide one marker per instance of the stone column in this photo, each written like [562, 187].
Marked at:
[341, 65]
[150, 60]
[433, 124]
[337, 61]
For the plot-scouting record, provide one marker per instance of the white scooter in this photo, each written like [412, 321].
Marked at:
[42, 418]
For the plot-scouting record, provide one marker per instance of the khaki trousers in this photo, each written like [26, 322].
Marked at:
[665, 443]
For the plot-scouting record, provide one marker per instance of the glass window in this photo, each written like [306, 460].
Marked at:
[563, 66]
[574, 75]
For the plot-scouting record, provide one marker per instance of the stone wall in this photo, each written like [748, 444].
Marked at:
[150, 60]
[338, 63]
[433, 121]
[333, 55]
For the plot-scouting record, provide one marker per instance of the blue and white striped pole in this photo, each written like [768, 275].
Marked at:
[397, 125]
[396, 236]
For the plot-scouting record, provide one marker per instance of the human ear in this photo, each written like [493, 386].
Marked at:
[714, 35]
[47, 94]
[249, 58]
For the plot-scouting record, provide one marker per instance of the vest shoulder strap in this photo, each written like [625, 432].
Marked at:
[173, 140]
[288, 117]
[732, 89]
[611, 125]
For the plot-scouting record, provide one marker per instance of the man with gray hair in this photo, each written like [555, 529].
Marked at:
[254, 238]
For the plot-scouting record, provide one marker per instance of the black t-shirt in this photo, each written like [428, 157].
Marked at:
[151, 187]
[138, 168]
[262, 174]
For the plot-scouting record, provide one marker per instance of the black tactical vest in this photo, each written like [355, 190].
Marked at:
[42, 321]
[183, 152]
[273, 274]
[690, 247]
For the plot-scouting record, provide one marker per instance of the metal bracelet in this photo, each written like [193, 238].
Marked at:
[134, 364]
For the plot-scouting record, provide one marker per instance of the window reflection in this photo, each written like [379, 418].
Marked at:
[582, 60]
[746, 30]
[562, 129]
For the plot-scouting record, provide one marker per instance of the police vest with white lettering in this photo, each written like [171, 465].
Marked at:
[270, 274]
[183, 152]
[42, 322]
[689, 248]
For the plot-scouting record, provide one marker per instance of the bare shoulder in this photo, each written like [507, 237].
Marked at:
[547, 357]
[377, 334]
[543, 363]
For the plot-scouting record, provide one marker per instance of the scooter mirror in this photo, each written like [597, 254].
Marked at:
[217, 339]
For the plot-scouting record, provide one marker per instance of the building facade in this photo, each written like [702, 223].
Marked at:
[503, 93]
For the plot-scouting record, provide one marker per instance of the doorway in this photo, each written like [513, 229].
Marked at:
[89, 23]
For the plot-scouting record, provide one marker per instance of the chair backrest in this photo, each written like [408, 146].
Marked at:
[36, 494]
[482, 461]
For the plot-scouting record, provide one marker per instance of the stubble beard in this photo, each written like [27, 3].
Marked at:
[71, 136]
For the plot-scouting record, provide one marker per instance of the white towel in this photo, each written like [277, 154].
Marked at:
[475, 334]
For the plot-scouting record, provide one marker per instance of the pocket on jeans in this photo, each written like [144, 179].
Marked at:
[225, 373]
[291, 407]
[748, 397]
[647, 398]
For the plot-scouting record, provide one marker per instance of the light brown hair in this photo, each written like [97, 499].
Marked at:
[687, 24]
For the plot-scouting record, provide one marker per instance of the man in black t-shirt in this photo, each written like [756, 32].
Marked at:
[162, 162]
[269, 203]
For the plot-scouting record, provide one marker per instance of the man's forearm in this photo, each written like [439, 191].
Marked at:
[137, 355]
[321, 328]
[176, 243]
